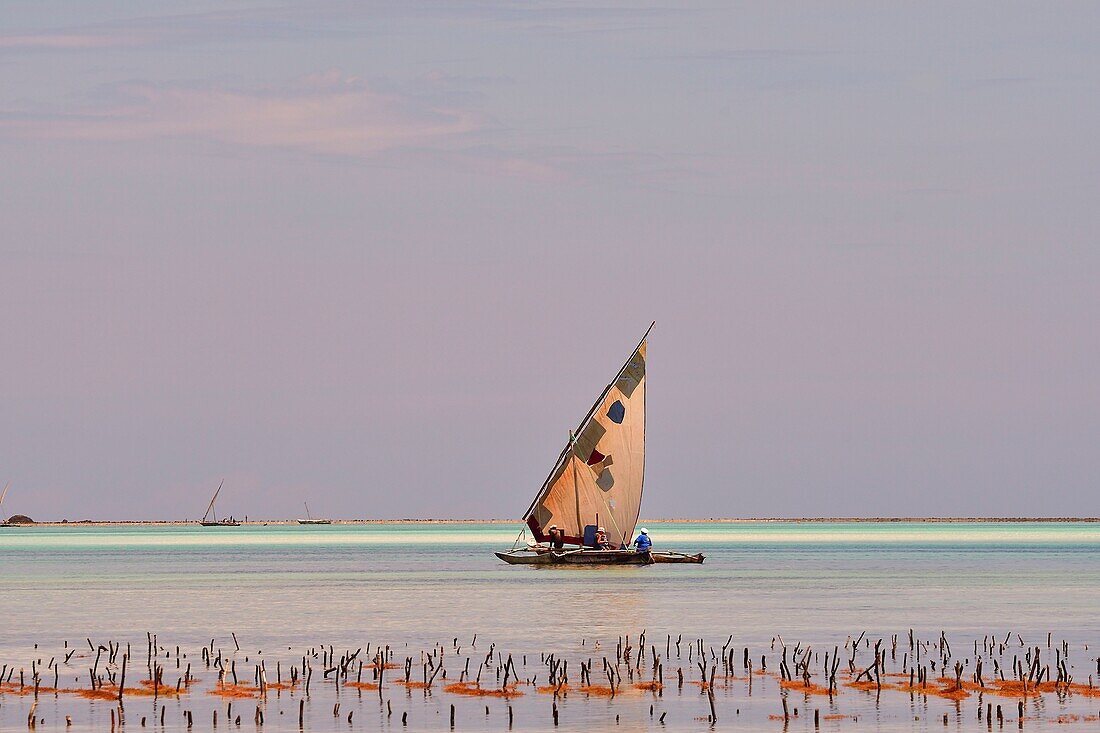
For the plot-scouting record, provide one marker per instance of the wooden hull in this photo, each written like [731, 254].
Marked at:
[220, 524]
[314, 521]
[576, 557]
[595, 557]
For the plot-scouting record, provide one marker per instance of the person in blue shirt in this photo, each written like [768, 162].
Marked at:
[643, 543]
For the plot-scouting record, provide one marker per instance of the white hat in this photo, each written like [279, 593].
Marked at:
[601, 529]
[643, 530]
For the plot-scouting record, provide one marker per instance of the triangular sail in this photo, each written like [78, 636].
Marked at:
[211, 507]
[597, 479]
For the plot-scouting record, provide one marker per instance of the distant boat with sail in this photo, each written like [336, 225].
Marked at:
[310, 518]
[596, 484]
[4, 493]
[210, 519]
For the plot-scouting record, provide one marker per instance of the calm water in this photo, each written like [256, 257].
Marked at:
[417, 585]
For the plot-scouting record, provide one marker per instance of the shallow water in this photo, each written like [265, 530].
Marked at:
[418, 585]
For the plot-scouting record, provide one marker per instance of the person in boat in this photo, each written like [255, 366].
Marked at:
[600, 541]
[555, 537]
[643, 543]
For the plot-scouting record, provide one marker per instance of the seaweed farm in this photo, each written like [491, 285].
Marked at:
[798, 627]
[640, 682]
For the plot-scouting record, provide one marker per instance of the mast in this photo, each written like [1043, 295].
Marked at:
[308, 515]
[211, 507]
[5, 493]
[576, 491]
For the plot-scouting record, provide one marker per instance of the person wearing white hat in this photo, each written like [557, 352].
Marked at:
[555, 536]
[643, 543]
[600, 541]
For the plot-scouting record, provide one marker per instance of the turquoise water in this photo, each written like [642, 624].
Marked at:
[420, 584]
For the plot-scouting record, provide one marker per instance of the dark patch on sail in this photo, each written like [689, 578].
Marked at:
[632, 375]
[542, 517]
[605, 480]
[585, 443]
[600, 465]
[616, 412]
[595, 457]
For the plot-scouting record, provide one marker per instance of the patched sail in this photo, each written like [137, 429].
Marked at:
[597, 480]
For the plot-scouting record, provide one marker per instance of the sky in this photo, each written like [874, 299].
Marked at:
[382, 256]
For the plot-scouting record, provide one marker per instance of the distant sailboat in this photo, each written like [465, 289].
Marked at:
[4, 522]
[210, 519]
[310, 520]
[597, 480]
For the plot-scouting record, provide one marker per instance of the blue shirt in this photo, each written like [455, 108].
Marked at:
[643, 543]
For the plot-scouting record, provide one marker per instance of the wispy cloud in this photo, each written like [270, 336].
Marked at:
[329, 18]
[746, 54]
[257, 23]
[435, 119]
[71, 40]
[327, 113]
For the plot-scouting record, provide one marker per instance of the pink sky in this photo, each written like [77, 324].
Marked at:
[383, 256]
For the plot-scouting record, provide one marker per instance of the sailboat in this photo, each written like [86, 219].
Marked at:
[310, 520]
[597, 483]
[4, 522]
[210, 519]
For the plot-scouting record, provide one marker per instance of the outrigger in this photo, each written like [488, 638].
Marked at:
[598, 477]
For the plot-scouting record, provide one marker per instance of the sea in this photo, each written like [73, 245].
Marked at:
[278, 592]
